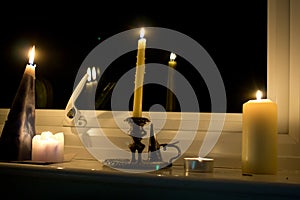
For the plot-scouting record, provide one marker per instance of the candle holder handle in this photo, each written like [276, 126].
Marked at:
[154, 153]
[137, 132]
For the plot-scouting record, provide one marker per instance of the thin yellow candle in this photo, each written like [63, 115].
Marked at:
[139, 76]
[259, 139]
[170, 104]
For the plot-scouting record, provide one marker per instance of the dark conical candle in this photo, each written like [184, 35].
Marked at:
[19, 128]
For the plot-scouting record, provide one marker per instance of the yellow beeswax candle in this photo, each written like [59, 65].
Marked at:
[170, 102]
[139, 76]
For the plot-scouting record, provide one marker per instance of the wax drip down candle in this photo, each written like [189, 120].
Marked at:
[259, 137]
[19, 128]
[139, 76]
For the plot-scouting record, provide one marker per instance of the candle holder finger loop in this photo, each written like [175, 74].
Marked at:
[154, 153]
[176, 147]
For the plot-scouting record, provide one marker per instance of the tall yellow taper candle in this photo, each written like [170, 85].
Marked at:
[139, 76]
[259, 139]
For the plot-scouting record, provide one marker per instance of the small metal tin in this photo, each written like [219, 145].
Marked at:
[198, 164]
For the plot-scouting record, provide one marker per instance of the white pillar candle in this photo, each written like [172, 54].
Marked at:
[139, 76]
[259, 138]
[48, 147]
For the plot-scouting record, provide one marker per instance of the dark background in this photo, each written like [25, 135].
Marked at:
[234, 33]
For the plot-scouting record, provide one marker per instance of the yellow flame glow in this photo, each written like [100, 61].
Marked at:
[94, 73]
[89, 73]
[142, 32]
[259, 94]
[31, 55]
[172, 56]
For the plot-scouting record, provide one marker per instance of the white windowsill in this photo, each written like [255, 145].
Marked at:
[228, 145]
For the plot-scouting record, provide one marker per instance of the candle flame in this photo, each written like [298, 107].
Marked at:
[258, 95]
[89, 73]
[172, 56]
[142, 32]
[31, 55]
[94, 73]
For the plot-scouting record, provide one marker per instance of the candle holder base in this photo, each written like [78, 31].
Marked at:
[127, 164]
[137, 132]
[154, 160]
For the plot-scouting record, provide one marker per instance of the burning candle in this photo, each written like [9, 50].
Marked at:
[19, 128]
[94, 79]
[259, 139]
[48, 147]
[139, 76]
[89, 73]
[170, 104]
[30, 67]
[172, 62]
[91, 86]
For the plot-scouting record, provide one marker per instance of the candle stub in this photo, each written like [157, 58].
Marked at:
[259, 137]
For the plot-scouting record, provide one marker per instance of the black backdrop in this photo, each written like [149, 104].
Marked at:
[234, 33]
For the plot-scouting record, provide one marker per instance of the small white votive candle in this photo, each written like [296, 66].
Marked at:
[48, 147]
